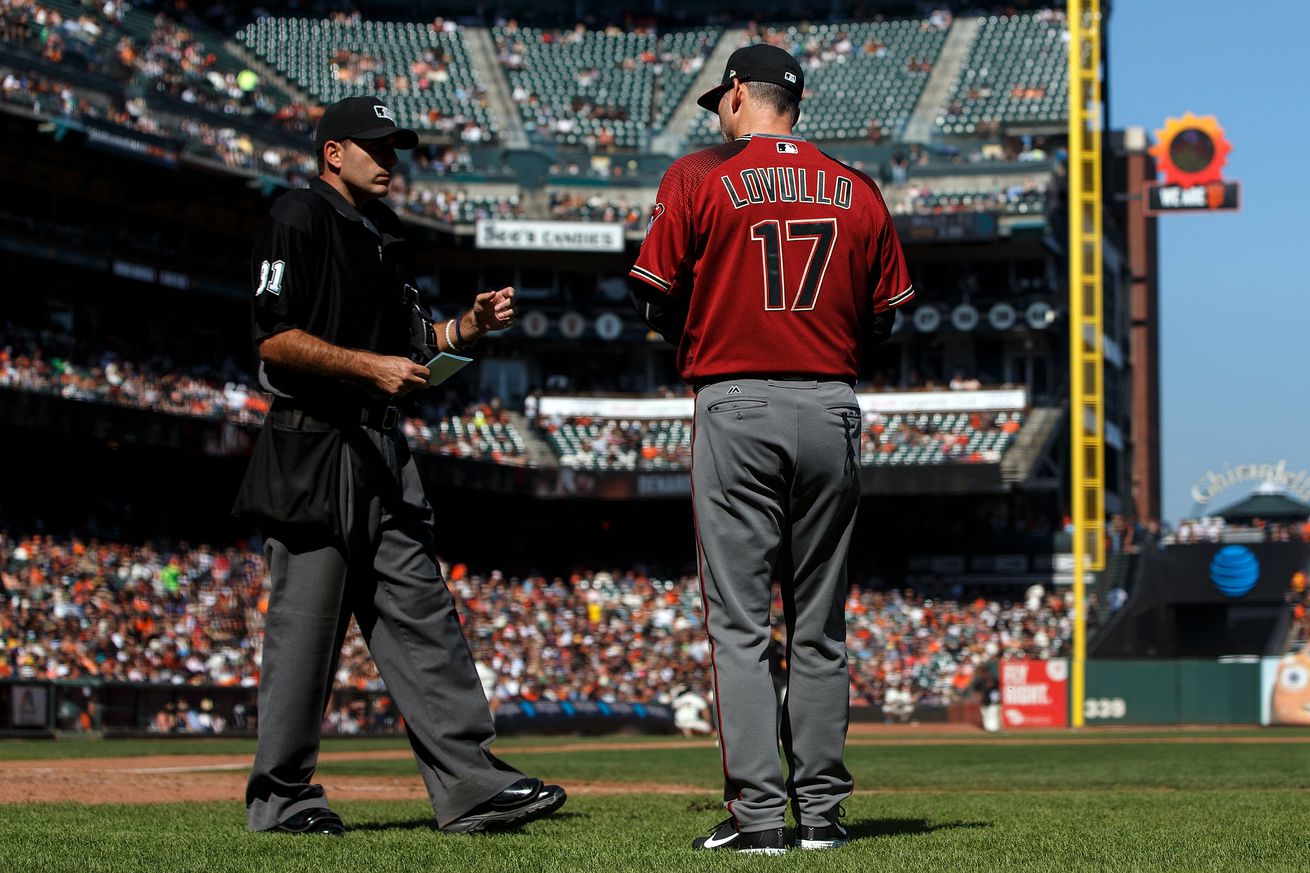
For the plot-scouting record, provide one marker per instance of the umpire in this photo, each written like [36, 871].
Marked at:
[348, 530]
[772, 267]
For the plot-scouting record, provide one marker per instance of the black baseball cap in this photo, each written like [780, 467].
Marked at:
[362, 118]
[760, 62]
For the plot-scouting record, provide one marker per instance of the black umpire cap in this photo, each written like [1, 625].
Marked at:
[362, 118]
[760, 62]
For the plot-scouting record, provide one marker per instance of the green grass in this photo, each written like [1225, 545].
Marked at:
[994, 806]
[1209, 766]
[73, 747]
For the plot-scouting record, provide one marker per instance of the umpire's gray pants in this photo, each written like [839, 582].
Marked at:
[775, 480]
[383, 571]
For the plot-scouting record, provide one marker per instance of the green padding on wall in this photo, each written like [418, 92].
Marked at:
[1167, 691]
[1131, 692]
[1218, 693]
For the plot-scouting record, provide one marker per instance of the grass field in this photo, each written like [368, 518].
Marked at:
[1114, 802]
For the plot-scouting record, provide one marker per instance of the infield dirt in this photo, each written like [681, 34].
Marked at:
[198, 778]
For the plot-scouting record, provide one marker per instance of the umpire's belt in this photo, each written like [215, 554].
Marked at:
[377, 416]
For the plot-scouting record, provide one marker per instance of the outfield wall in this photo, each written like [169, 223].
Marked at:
[42, 708]
[1178, 691]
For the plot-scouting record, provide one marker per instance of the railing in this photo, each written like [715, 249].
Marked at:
[45, 708]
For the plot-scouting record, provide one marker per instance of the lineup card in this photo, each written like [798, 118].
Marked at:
[445, 365]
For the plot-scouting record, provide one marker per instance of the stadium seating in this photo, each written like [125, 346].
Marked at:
[577, 207]
[423, 71]
[889, 440]
[1021, 199]
[477, 432]
[473, 434]
[175, 59]
[621, 636]
[1015, 74]
[646, 444]
[681, 54]
[937, 438]
[581, 86]
[458, 206]
[862, 79]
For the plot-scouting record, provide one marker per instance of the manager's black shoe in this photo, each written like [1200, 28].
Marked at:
[524, 801]
[319, 820]
[726, 836]
[829, 836]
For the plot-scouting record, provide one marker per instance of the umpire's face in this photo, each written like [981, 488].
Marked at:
[364, 165]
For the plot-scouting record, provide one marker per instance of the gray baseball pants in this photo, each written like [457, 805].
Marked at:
[776, 484]
[383, 571]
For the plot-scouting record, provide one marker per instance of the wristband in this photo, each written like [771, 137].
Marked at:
[450, 343]
[458, 332]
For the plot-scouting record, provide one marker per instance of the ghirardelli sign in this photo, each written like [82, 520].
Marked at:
[1212, 484]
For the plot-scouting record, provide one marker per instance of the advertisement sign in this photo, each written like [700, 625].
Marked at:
[885, 402]
[944, 401]
[1286, 689]
[156, 149]
[1035, 694]
[549, 236]
[1190, 153]
[28, 707]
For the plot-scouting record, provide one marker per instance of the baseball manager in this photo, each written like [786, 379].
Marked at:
[772, 267]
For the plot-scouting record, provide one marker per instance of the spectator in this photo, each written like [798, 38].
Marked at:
[187, 615]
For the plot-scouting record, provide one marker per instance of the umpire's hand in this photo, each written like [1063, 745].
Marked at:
[396, 377]
[494, 310]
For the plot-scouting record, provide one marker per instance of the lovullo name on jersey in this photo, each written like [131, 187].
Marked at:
[787, 185]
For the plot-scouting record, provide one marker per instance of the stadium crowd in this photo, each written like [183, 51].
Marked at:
[1214, 529]
[1026, 197]
[452, 205]
[587, 441]
[1299, 598]
[49, 363]
[579, 207]
[190, 615]
[173, 63]
[233, 148]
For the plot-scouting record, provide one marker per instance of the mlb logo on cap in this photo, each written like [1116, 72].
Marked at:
[364, 118]
[758, 62]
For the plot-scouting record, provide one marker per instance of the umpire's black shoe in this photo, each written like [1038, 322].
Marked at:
[726, 836]
[524, 801]
[319, 820]
[829, 836]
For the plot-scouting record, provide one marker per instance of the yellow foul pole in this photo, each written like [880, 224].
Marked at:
[1086, 363]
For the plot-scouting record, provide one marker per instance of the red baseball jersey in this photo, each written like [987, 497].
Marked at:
[781, 255]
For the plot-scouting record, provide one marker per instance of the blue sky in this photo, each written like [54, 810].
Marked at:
[1234, 288]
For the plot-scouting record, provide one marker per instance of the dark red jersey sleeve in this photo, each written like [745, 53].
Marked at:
[666, 252]
[889, 277]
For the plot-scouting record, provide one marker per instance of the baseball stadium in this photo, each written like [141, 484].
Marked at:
[1044, 672]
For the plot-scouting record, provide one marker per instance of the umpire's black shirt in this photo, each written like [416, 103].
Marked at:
[336, 272]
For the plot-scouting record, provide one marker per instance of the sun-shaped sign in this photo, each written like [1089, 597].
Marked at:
[1191, 151]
